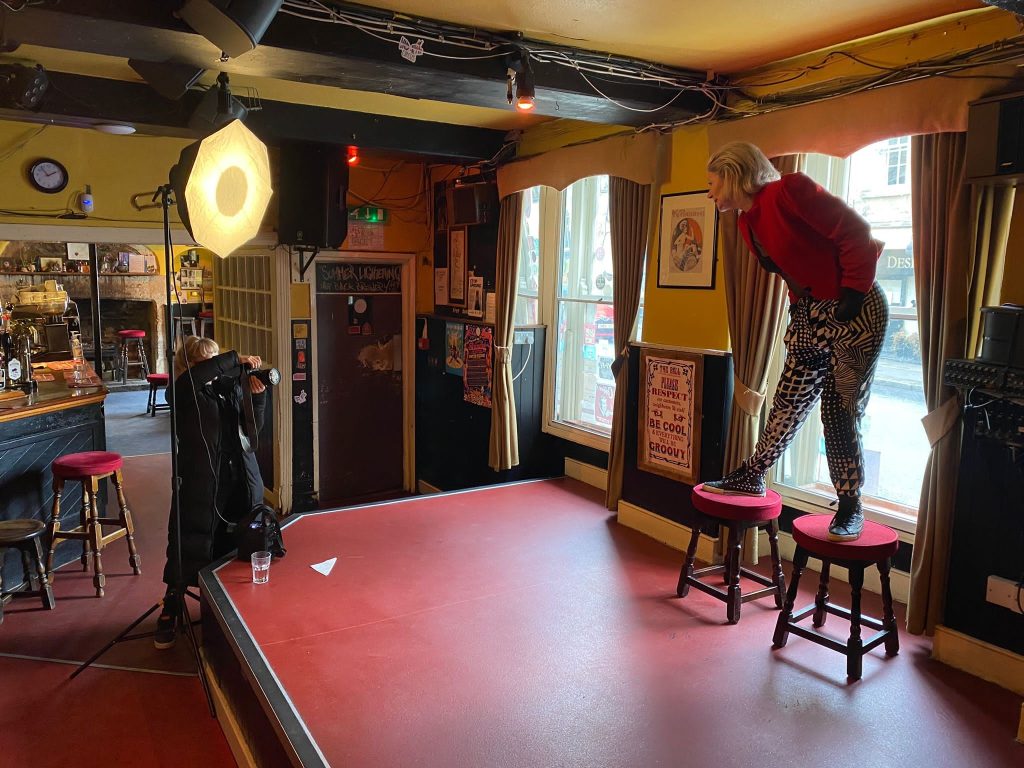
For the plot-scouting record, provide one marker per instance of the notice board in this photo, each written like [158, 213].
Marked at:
[670, 414]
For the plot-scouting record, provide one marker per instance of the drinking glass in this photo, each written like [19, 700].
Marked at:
[260, 567]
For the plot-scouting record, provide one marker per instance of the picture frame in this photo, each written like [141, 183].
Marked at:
[457, 267]
[670, 411]
[51, 264]
[688, 250]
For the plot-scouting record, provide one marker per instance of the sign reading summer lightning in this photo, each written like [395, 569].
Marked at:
[351, 277]
[670, 413]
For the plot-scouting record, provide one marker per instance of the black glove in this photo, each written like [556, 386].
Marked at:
[849, 304]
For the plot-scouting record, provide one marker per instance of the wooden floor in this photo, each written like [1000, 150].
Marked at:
[513, 626]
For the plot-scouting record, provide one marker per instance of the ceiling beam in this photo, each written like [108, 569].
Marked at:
[300, 50]
[81, 101]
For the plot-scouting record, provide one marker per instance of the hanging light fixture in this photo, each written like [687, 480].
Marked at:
[352, 155]
[222, 188]
[520, 76]
[525, 92]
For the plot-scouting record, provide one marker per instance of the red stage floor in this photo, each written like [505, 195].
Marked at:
[520, 625]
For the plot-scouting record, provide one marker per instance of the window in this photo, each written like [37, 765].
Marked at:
[528, 290]
[895, 445]
[897, 153]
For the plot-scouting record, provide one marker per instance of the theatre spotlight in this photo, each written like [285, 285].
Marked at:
[217, 108]
[234, 26]
[22, 85]
[222, 187]
[525, 90]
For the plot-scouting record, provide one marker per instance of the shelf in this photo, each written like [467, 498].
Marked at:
[82, 274]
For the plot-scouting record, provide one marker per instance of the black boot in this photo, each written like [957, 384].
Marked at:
[166, 633]
[742, 481]
[848, 524]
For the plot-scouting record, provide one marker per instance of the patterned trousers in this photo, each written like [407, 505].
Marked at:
[836, 362]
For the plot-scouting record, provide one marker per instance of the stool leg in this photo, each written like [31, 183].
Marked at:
[892, 640]
[95, 537]
[1, 587]
[732, 569]
[126, 522]
[821, 598]
[782, 625]
[45, 591]
[28, 567]
[124, 361]
[58, 488]
[855, 646]
[777, 575]
[150, 400]
[84, 513]
[142, 356]
[687, 570]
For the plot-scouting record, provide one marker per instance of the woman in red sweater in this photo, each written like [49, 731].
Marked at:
[837, 317]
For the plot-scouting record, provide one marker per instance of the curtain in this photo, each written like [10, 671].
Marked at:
[629, 211]
[504, 446]
[756, 303]
[960, 239]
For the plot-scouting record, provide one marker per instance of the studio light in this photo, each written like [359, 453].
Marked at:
[234, 26]
[22, 85]
[520, 74]
[222, 187]
[217, 108]
[525, 91]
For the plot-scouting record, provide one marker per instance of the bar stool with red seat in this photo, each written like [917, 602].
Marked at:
[157, 381]
[89, 468]
[876, 546]
[205, 318]
[132, 340]
[737, 514]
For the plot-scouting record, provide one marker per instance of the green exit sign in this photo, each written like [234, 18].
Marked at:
[369, 214]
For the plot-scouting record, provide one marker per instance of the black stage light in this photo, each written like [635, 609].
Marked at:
[217, 108]
[23, 85]
[234, 26]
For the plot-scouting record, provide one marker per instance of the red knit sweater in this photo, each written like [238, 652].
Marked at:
[816, 239]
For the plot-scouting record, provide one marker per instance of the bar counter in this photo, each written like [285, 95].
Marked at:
[53, 421]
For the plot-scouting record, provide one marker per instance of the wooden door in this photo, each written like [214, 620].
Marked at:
[360, 397]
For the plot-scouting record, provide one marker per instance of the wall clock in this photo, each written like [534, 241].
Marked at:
[47, 175]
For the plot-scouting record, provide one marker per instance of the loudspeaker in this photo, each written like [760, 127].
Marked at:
[311, 195]
[995, 137]
[234, 26]
[170, 79]
[471, 203]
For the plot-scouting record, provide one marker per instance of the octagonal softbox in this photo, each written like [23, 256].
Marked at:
[222, 188]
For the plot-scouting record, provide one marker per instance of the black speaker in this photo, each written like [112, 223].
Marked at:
[995, 137]
[471, 203]
[311, 195]
[170, 79]
[234, 26]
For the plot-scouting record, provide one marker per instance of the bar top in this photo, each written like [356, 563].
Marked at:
[54, 393]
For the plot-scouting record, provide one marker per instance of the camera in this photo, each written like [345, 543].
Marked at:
[269, 376]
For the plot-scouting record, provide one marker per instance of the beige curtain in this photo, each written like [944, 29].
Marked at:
[504, 447]
[629, 213]
[960, 239]
[756, 302]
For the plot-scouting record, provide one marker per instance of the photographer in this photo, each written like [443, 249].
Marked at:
[220, 481]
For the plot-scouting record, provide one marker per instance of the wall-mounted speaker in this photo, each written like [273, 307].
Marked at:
[471, 203]
[170, 79]
[995, 138]
[234, 26]
[313, 183]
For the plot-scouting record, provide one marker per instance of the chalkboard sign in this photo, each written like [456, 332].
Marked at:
[334, 277]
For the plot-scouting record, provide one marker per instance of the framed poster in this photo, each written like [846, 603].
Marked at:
[457, 267]
[670, 414]
[689, 233]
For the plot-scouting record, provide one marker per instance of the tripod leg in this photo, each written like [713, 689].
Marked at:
[185, 622]
[113, 642]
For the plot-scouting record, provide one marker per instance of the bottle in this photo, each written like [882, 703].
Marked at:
[12, 366]
[76, 348]
[25, 360]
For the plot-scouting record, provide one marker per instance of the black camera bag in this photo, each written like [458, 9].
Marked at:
[259, 531]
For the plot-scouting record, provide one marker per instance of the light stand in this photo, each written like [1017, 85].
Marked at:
[183, 618]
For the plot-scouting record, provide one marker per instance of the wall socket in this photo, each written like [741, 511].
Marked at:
[1003, 592]
[522, 337]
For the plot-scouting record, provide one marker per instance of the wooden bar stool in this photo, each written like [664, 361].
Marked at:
[157, 381]
[24, 536]
[184, 324]
[132, 340]
[737, 514]
[876, 546]
[89, 468]
[205, 319]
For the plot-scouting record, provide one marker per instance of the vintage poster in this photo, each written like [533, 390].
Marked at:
[475, 298]
[440, 286]
[453, 345]
[687, 255]
[478, 359]
[670, 413]
[457, 267]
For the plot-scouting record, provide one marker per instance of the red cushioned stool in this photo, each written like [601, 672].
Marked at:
[89, 468]
[738, 514]
[205, 319]
[157, 381]
[876, 546]
[132, 341]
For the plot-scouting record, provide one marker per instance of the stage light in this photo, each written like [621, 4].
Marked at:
[22, 85]
[234, 26]
[525, 91]
[520, 74]
[352, 155]
[222, 187]
[217, 108]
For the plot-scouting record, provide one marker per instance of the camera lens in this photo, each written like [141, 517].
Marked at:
[269, 376]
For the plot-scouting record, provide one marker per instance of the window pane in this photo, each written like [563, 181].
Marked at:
[529, 260]
[895, 446]
[584, 388]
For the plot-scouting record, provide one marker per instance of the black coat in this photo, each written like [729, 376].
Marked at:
[219, 481]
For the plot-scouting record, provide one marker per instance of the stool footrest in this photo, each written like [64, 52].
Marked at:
[754, 576]
[816, 637]
[707, 589]
[838, 610]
